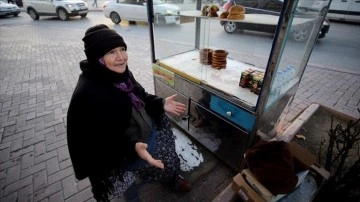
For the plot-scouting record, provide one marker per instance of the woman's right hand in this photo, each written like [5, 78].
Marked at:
[144, 154]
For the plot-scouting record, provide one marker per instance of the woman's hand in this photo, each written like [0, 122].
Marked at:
[144, 154]
[172, 106]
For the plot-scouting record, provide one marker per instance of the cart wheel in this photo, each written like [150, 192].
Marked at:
[230, 27]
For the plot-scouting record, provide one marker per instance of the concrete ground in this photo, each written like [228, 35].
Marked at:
[38, 72]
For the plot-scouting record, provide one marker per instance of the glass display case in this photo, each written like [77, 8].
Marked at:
[236, 70]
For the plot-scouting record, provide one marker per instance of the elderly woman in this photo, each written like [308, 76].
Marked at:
[116, 131]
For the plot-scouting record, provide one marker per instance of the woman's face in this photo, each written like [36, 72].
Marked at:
[116, 59]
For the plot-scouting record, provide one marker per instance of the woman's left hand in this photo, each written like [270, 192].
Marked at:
[173, 106]
[144, 154]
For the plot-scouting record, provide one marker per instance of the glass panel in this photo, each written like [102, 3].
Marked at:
[236, 47]
[186, 31]
[301, 36]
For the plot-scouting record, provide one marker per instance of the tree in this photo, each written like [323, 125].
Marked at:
[342, 159]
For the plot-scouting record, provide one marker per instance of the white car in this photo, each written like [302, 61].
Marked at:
[63, 9]
[9, 9]
[313, 5]
[136, 10]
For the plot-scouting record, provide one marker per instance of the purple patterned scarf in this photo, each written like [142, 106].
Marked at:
[128, 88]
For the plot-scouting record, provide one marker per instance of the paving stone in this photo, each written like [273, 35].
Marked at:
[10, 198]
[24, 150]
[57, 197]
[10, 163]
[58, 176]
[14, 187]
[69, 185]
[32, 170]
[12, 174]
[40, 146]
[12, 138]
[52, 166]
[28, 134]
[45, 156]
[4, 155]
[63, 153]
[50, 190]
[40, 180]
[26, 194]
[3, 175]
[50, 138]
[27, 160]
[83, 184]
[81, 196]
[9, 130]
[65, 164]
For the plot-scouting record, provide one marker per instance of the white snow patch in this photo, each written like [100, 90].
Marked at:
[187, 151]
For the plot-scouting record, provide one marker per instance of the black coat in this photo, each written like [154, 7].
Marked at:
[98, 115]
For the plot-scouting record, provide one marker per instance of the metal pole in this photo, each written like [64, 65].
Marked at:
[150, 11]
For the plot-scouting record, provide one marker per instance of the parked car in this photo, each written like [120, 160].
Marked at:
[136, 10]
[176, 1]
[344, 10]
[63, 9]
[314, 5]
[266, 17]
[9, 9]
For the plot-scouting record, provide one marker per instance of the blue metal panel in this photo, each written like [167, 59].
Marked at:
[233, 113]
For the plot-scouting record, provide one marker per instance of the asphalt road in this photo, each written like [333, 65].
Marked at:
[339, 50]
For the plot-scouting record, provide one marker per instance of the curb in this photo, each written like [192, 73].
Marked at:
[296, 125]
[333, 68]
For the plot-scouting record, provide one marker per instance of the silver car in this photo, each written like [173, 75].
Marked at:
[130, 10]
[9, 9]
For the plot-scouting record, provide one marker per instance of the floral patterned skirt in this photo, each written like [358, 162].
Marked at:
[164, 150]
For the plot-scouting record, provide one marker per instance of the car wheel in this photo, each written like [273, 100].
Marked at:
[33, 14]
[62, 14]
[16, 15]
[321, 35]
[301, 34]
[115, 18]
[230, 27]
[83, 15]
